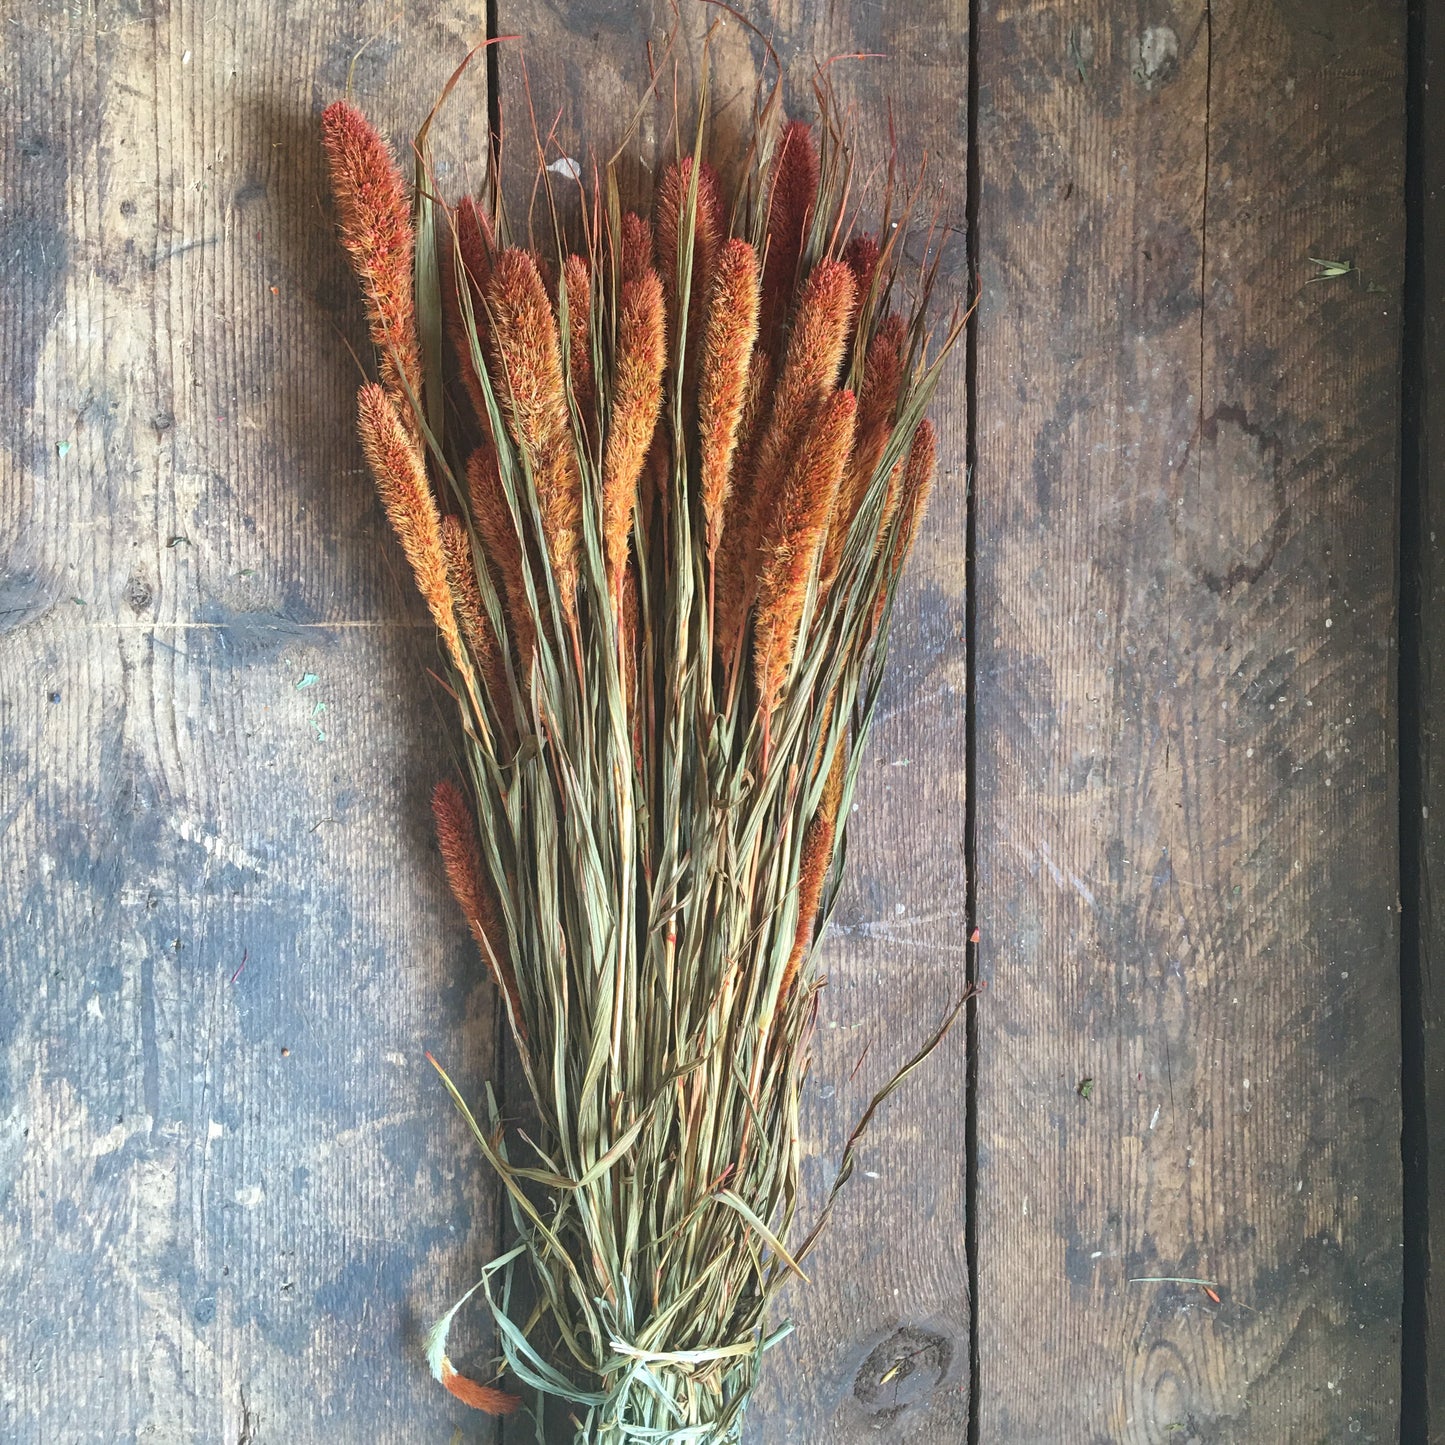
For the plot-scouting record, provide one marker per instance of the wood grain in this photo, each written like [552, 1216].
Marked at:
[1422, 673]
[881, 1350]
[231, 1192]
[1186, 484]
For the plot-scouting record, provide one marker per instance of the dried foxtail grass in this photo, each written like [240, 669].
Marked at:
[636, 402]
[406, 496]
[661, 558]
[732, 328]
[528, 362]
[791, 559]
[373, 211]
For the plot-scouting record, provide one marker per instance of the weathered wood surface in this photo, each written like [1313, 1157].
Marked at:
[1186, 723]
[1185, 512]
[230, 1197]
[1422, 526]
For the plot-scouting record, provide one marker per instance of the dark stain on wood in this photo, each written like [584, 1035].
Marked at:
[902, 1372]
[1241, 462]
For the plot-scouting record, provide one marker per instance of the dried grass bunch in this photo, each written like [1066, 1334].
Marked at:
[656, 486]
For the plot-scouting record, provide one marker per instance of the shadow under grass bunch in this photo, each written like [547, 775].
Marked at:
[656, 481]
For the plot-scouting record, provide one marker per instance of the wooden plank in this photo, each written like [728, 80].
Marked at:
[1188, 1057]
[1422, 702]
[231, 1192]
[881, 1350]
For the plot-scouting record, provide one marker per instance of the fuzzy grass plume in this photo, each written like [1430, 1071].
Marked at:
[656, 484]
